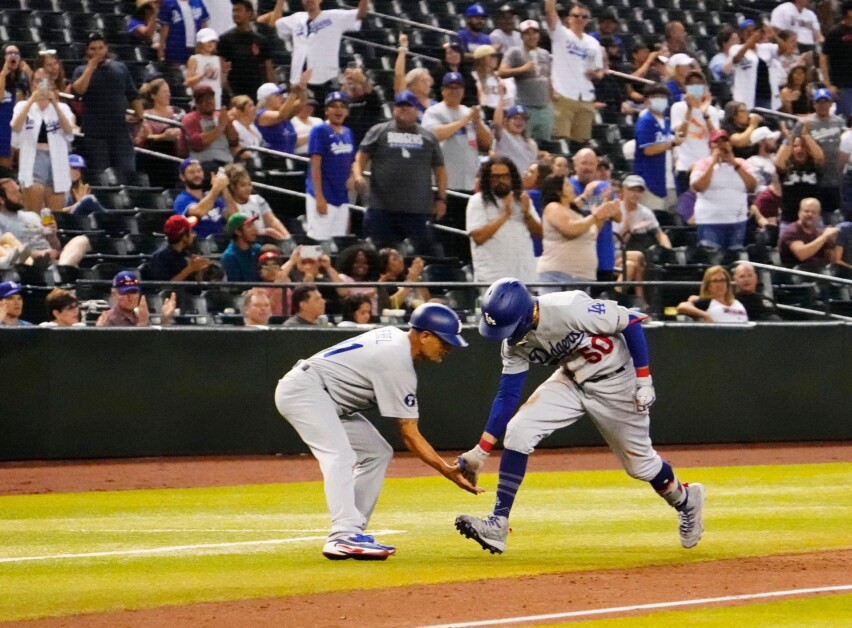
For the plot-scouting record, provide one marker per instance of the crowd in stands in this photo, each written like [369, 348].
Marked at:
[578, 144]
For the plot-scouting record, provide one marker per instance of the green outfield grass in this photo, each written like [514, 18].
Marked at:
[561, 522]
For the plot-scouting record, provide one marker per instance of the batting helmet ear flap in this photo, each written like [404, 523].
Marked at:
[507, 310]
[440, 320]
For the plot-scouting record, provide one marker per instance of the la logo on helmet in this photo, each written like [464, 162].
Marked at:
[489, 320]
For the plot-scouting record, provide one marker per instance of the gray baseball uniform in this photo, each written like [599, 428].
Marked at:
[596, 377]
[322, 397]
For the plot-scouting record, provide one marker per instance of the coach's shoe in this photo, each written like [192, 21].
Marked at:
[357, 546]
[490, 532]
[692, 516]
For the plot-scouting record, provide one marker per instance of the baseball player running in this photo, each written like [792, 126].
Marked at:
[322, 398]
[593, 342]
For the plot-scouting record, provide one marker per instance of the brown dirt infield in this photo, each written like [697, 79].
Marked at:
[443, 603]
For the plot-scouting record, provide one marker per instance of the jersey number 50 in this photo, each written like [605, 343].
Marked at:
[599, 346]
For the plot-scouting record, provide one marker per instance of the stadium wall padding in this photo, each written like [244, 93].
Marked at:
[102, 393]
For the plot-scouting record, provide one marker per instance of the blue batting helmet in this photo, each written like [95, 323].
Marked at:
[507, 310]
[440, 320]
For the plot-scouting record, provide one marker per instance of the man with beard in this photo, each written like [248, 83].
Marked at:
[40, 240]
[210, 133]
[501, 222]
[174, 261]
[402, 151]
[210, 209]
[332, 149]
[240, 258]
[472, 37]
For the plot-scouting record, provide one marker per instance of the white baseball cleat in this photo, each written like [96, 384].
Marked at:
[490, 532]
[692, 516]
[357, 546]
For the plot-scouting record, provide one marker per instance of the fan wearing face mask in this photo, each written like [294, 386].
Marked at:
[693, 119]
[655, 140]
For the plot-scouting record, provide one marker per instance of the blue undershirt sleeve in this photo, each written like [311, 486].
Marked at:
[505, 403]
[636, 343]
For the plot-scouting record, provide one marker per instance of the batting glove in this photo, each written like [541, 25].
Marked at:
[472, 463]
[645, 396]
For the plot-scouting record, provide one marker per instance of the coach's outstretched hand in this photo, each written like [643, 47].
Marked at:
[454, 474]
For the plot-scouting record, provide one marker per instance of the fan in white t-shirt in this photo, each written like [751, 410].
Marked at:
[795, 16]
[303, 122]
[693, 118]
[716, 302]
[316, 35]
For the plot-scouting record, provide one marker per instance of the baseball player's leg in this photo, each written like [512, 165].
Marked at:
[302, 401]
[374, 454]
[627, 432]
[553, 405]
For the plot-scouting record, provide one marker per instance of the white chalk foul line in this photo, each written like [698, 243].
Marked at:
[643, 607]
[178, 548]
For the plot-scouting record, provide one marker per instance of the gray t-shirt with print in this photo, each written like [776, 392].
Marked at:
[402, 165]
[533, 86]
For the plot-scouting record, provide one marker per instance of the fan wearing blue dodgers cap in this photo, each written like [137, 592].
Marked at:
[331, 146]
[511, 136]
[323, 396]
[396, 151]
[130, 307]
[454, 60]
[11, 305]
[472, 37]
[79, 199]
[462, 133]
[826, 129]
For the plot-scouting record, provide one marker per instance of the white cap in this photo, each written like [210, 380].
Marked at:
[528, 24]
[763, 133]
[206, 35]
[679, 59]
[268, 89]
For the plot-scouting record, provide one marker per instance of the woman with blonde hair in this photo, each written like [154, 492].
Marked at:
[490, 88]
[42, 130]
[243, 112]
[716, 302]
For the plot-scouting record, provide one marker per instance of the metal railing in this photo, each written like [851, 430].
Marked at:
[285, 191]
[828, 279]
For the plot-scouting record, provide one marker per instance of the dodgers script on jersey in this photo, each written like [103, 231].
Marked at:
[374, 369]
[580, 334]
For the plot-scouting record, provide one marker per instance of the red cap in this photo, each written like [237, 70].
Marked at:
[718, 133]
[269, 256]
[176, 226]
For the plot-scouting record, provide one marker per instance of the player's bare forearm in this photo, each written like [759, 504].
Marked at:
[421, 448]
